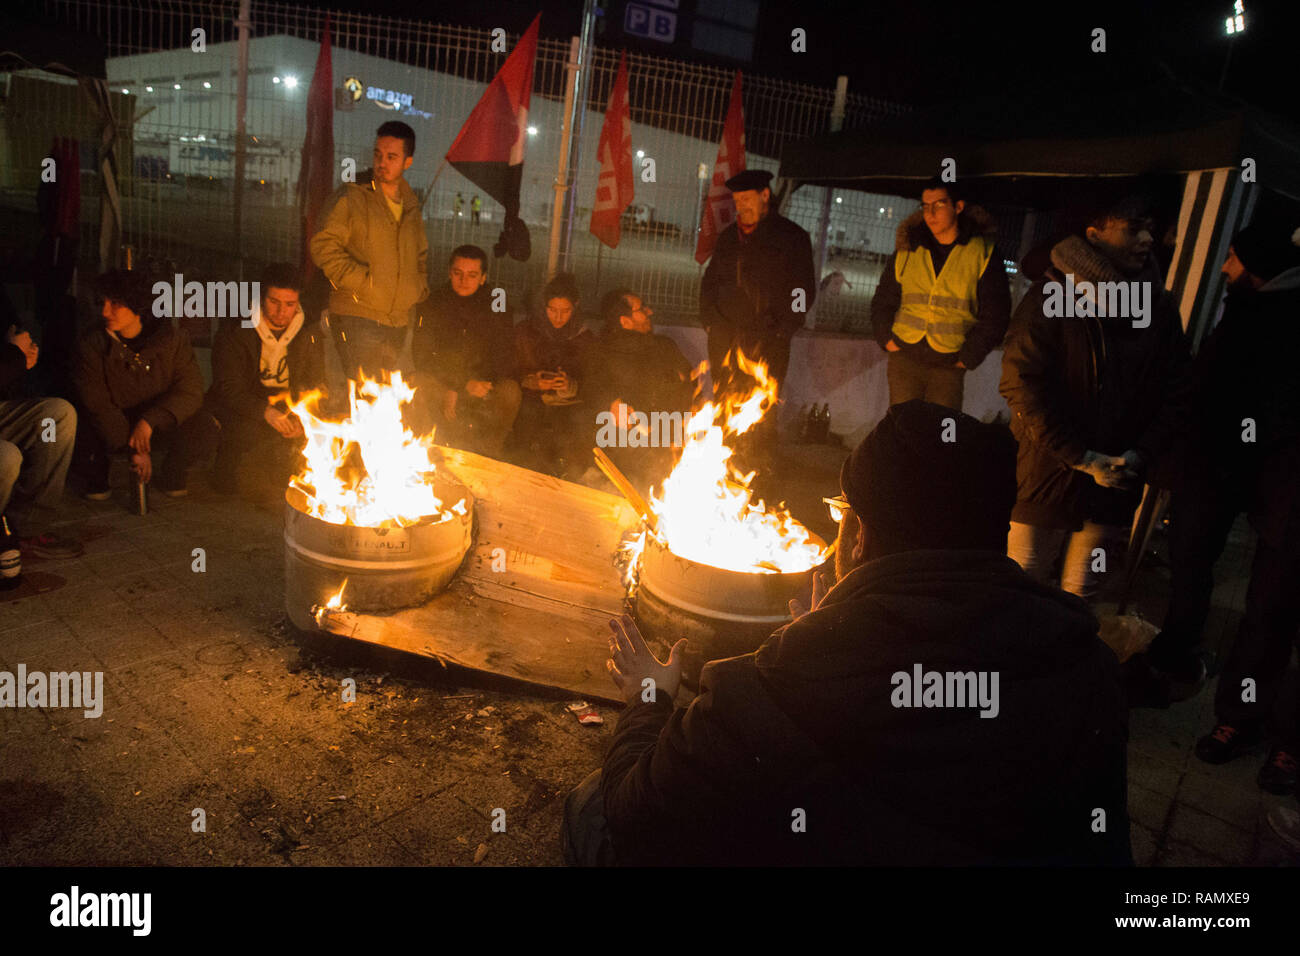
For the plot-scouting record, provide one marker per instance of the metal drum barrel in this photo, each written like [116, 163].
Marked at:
[721, 613]
[385, 568]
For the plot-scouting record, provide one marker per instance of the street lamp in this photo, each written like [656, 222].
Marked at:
[1233, 26]
[1237, 22]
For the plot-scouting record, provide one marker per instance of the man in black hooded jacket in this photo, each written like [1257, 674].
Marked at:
[819, 748]
[1095, 398]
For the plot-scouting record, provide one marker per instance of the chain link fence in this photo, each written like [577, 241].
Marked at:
[175, 99]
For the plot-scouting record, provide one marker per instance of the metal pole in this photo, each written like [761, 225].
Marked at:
[824, 223]
[581, 96]
[241, 111]
[562, 171]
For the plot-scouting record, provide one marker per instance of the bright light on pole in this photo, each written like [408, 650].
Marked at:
[1237, 22]
[291, 81]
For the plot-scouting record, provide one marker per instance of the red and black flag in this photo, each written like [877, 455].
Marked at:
[489, 150]
[316, 176]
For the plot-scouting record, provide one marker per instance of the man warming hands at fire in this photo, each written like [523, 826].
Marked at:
[937, 706]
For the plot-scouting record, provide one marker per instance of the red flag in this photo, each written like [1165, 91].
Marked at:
[615, 186]
[489, 149]
[316, 176]
[719, 207]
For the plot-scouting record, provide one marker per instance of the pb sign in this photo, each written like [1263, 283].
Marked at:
[643, 21]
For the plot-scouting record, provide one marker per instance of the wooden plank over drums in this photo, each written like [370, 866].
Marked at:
[543, 619]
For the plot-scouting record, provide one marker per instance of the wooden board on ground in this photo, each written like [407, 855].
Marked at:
[544, 618]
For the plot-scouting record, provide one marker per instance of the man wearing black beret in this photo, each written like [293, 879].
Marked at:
[756, 292]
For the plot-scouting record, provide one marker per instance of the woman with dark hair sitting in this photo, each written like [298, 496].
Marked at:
[551, 351]
[139, 388]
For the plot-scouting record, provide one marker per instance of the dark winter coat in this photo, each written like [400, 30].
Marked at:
[808, 722]
[13, 366]
[160, 382]
[1076, 384]
[993, 292]
[1245, 373]
[643, 370]
[237, 388]
[540, 347]
[746, 293]
[459, 338]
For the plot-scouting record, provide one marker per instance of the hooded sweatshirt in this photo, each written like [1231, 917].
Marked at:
[812, 721]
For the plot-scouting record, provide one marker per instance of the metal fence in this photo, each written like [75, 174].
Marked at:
[177, 106]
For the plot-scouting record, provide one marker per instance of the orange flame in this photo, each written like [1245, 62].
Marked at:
[706, 511]
[368, 470]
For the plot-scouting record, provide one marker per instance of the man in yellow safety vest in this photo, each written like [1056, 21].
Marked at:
[943, 302]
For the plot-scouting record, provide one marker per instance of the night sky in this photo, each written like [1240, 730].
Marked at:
[922, 51]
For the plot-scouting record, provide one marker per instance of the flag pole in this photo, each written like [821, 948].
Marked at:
[562, 172]
[429, 191]
[600, 251]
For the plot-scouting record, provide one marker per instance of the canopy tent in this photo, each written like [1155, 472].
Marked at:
[1045, 145]
[80, 56]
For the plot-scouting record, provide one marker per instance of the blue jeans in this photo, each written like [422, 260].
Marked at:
[1038, 550]
[365, 345]
[32, 470]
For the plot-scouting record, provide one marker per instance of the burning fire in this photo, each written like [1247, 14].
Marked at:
[322, 611]
[368, 470]
[705, 511]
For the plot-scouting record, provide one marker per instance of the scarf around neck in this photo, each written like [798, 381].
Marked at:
[273, 367]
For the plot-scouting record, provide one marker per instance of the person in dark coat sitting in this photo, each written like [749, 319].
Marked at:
[637, 381]
[464, 359]
[551, 352]
[256, 371]
[139, 389]
[936, 707]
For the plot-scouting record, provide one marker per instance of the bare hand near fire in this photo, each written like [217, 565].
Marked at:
[140, 435]
[25, 344]
[819, 589]
[285, 423]
[478, 388]
[632, 662]
[142, 465]
[449, 405]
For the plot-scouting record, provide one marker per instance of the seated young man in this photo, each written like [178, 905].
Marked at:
[36, 441]
[551, 352]
[937, 706]
[463, 359]
[256, 372]
[633, 372]
[140, 391]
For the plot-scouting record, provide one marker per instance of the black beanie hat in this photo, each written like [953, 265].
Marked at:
[930, 477]
[1267, 249]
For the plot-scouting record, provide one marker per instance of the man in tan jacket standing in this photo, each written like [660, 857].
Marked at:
[374, 252]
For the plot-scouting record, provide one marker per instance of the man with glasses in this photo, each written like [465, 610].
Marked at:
[943, 302]
[1095, 399]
